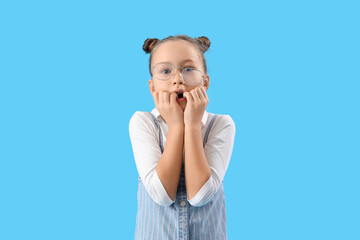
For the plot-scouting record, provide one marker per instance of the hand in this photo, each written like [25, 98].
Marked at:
[168, 107]
[197, 101]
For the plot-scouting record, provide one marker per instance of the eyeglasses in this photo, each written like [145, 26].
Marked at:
[189, 75]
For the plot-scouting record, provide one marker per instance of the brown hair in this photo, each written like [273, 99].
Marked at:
[201, 43]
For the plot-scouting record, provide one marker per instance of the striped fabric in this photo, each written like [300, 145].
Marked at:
[181, 220]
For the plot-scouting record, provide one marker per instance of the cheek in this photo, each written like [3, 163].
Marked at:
[161, 84]
[189, 89]
[158, 86]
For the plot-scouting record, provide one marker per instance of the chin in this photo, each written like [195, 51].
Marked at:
[183, 105]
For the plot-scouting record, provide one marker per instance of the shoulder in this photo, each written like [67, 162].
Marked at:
[223, 124]
[139, 115]
[142, 120]
[222, 120]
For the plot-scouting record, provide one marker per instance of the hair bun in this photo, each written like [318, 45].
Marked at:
[204, 42]
[149, 44]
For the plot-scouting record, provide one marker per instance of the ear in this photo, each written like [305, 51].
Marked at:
[206, 81]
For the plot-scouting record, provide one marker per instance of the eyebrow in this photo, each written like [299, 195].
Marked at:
[188, 60]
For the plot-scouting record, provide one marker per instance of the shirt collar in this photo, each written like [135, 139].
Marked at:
[158, 116]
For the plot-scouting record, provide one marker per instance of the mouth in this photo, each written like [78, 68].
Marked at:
[180, 95]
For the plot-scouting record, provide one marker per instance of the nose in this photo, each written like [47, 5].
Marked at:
[177, 76]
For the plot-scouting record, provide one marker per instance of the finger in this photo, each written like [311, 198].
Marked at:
[203, 92]
[156, 97]
[160, 97]
[188, 97]
[173, 98]
[195, 94]
[166, 97]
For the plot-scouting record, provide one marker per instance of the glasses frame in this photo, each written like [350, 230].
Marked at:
[181, 73]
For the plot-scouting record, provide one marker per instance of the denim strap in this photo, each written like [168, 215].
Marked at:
[160, 133]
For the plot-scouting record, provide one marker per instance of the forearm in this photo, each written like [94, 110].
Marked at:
[197, 169]
[169, 165]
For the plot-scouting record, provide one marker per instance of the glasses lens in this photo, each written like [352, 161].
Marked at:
[192, 77]
[163, 71]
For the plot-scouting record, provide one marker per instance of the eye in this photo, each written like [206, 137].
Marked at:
[188, 69]
[165, 71]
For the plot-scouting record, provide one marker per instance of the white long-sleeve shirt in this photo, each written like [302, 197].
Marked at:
[144, 137]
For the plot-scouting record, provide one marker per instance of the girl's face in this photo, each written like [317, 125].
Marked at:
[178, 53]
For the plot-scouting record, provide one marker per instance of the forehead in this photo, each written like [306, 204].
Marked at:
[175, 52]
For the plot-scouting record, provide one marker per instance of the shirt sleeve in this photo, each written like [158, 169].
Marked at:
[218, 150]
[147, 153]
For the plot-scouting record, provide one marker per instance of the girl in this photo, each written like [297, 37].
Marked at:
[181, 151]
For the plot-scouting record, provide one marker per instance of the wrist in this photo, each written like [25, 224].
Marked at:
[193, 126]
[176, 126]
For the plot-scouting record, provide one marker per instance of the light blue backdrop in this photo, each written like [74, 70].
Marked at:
[73, 73]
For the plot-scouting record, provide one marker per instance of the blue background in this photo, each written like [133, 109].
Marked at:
[73, 73]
